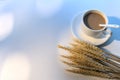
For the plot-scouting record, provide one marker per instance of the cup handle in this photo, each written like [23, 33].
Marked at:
[107, 31]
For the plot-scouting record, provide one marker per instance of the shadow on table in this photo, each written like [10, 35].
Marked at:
[115, 31]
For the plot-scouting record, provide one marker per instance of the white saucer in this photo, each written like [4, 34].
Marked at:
[82, 36]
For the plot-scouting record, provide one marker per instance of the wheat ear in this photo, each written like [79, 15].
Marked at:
[94, 48]
[81, 59]
[97, 55]
[88, 59]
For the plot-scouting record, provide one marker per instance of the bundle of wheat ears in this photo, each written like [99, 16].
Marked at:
[87, 59]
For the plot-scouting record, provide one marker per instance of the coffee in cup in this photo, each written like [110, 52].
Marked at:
[92, 20]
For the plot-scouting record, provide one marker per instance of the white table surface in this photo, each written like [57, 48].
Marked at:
[30, 51]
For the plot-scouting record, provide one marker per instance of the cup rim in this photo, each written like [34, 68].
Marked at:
[95, 11]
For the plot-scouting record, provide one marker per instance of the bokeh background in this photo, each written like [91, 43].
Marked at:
[30, 31]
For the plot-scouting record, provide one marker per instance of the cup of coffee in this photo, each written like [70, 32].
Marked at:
[90, 23]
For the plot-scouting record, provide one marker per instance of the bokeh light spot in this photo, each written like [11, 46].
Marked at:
[6, 25]
[48, 8]
[15, 67]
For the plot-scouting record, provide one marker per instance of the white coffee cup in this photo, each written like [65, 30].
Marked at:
[91, 32]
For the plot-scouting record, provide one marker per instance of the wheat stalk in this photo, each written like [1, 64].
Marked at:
[91, 60]
[79, 52]
[89, 73]
[93, 54]
[84, 60]
[99, 51]
[93, 73]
